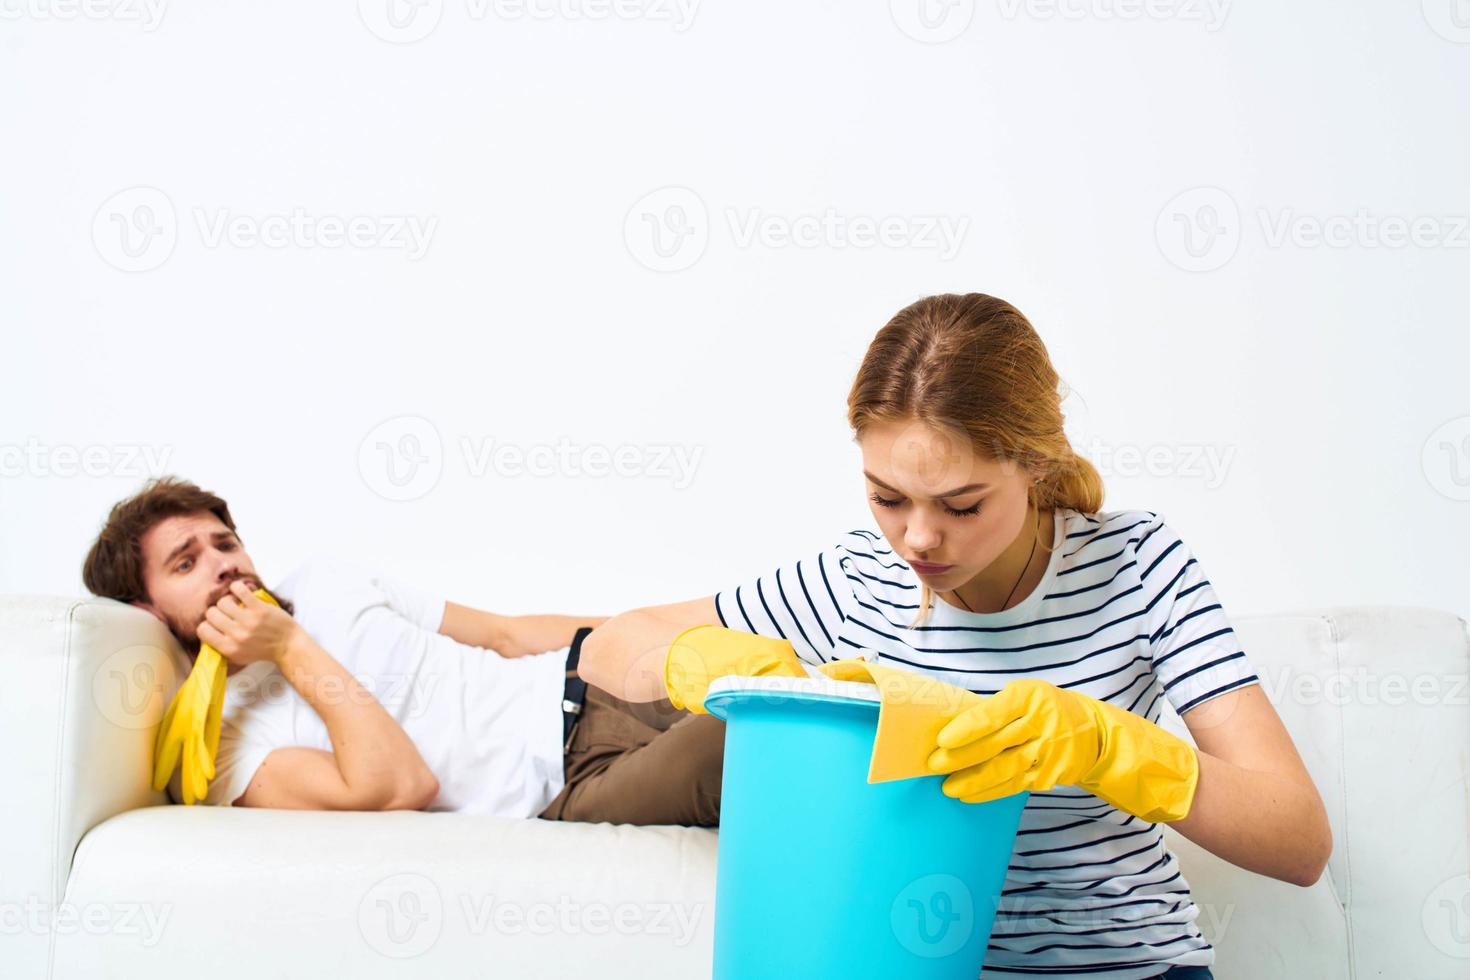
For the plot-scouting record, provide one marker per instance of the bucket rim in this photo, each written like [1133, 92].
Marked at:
[724, 691]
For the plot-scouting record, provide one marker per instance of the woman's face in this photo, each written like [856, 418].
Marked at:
[947, 511]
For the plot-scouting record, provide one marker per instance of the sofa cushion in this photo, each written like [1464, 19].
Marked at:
[207, 890]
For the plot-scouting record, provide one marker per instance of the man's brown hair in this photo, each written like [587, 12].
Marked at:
[114, 566]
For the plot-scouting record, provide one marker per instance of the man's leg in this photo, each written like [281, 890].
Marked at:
[641, 764]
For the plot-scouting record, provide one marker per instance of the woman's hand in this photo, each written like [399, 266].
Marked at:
[1244, 796]
[1033, 735]
[701, 654]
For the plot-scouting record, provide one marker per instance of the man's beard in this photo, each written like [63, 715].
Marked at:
[188, 637]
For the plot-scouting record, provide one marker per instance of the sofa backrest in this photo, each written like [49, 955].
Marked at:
[1377, 701]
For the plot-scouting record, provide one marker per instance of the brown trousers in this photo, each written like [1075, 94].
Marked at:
[641, 764]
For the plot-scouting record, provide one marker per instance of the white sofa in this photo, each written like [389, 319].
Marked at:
[101, 877]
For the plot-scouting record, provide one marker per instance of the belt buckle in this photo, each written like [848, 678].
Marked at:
[570, 707]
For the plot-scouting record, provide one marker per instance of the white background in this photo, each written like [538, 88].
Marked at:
[1327, 382]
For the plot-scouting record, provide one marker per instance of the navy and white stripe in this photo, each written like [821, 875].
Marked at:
[1124, 614]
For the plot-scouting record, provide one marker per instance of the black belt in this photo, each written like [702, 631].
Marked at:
[574, 694]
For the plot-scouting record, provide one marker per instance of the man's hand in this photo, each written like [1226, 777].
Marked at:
[245, 629]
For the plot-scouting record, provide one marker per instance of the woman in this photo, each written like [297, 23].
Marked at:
[995, 564]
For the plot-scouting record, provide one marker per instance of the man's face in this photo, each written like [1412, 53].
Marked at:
[189, 562]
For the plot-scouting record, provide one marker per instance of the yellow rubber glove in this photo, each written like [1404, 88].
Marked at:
[1033, 735]
[702, 653]
[191, 725]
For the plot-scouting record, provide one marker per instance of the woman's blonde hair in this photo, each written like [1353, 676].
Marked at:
[973, 365]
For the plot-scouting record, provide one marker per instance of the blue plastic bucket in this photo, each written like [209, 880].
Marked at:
[823, 874]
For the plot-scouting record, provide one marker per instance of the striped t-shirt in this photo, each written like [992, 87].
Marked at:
[1124, 614]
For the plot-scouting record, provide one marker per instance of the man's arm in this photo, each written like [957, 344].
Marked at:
[512, 636]
[374, 765]
[301, 778]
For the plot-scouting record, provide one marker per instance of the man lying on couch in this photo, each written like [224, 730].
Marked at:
[363, 693]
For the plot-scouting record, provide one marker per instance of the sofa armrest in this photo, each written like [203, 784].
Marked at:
[85, 685]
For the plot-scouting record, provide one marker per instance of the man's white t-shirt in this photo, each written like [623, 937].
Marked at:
[490, 728]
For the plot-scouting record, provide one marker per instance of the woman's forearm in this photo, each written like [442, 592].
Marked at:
[1264, 822]
[625, 655]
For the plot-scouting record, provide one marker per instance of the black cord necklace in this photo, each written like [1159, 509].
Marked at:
[1034, 541]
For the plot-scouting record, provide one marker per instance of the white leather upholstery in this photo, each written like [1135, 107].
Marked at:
[394, 894]
[1378, 703]
[160, 890]
[77, 739]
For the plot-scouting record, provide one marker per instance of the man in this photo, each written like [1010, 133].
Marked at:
[363, 693]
